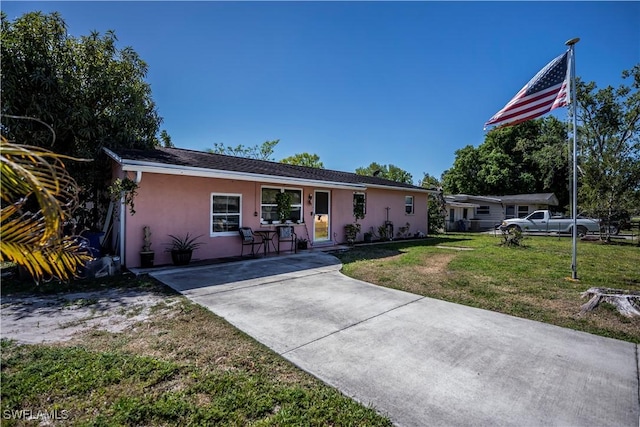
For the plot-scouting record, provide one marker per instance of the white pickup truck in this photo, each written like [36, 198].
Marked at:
[544, 221]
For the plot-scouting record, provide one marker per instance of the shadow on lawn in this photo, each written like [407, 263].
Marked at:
[381, 250]
[14, 285]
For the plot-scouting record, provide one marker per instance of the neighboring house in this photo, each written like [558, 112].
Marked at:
[183, 191]
[485, 212]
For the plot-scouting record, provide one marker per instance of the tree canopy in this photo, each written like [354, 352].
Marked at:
[91, 93]
[390, 172]
[531, 157]
[609, 148]
[263, 151]
[304, 159]
[436, 204]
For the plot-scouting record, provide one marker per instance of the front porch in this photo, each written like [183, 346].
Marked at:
[212, 261]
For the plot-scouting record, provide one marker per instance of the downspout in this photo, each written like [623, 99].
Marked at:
[123, 216]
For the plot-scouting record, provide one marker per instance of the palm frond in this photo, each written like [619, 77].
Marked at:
[34, 239]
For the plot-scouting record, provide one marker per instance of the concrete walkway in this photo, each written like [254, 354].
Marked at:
[418, 360]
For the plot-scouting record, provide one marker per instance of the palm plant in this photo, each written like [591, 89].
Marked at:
[184, 243]
[38, 198]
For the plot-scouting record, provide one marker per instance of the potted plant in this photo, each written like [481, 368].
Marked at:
[283, 201]
[146, 255]
[182, 248]
[303, 243]
[351, 232]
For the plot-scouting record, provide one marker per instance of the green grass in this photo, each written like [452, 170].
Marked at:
[184, 366]
[529, 281]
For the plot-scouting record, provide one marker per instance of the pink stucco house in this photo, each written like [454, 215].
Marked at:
[184, 191]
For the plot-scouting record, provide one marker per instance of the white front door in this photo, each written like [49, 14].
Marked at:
[321, 231]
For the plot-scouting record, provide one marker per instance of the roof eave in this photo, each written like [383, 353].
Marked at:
[150, 167]
[170, 169]
[393, 187]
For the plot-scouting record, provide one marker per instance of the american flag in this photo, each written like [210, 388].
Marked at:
[546, 91]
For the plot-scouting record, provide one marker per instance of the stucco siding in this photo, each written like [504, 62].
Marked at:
[376, 214]
[174, 204]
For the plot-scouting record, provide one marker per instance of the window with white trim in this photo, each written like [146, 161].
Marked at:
[408, 205]
[483, 210]
[226, 214]
[523, 211]
[269, 207]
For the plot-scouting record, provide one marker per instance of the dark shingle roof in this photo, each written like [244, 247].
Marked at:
[220, 162]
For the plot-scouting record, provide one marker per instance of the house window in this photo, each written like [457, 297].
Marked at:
[359, 204]
[269, 207]
[510, 211]
[523, 211]
[483, 210]
[226, 214]
[408, 205]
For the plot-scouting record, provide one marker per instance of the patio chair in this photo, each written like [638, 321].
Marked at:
[287, 235]
[249, 239]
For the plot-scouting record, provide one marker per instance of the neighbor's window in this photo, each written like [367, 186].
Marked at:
[483, 210]
[269, 207]
[510, 211]
[359, 204]
[408, 205]
[523, 211]
[226, 214]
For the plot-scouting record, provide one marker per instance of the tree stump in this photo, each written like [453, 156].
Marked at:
[627, 302]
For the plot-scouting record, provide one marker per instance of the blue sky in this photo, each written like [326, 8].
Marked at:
[402, 83]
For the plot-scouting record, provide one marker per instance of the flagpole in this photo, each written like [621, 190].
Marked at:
[574, 188]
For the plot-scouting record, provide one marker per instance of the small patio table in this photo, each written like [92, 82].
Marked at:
[267, 236]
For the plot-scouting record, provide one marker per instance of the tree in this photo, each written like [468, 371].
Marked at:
[390, 172]
[609, 148]
[530, 157]
[91, 93]
[304, 159]
[463, 176]
[166, 139]
[260, 152]
[436, 204]
[38, 197]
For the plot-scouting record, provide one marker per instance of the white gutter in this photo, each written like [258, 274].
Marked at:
[387, 187]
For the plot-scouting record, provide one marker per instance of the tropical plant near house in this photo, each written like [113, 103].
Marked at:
[182, 247]
[127, 188]
[351, 232]
[186, 243]
[38, 198]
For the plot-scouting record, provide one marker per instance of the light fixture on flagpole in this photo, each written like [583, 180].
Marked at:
[572, 41]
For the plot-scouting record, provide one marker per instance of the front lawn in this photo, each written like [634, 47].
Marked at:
[529, 282]
[182, 366]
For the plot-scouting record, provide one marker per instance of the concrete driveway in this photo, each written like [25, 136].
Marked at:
[418, 360]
